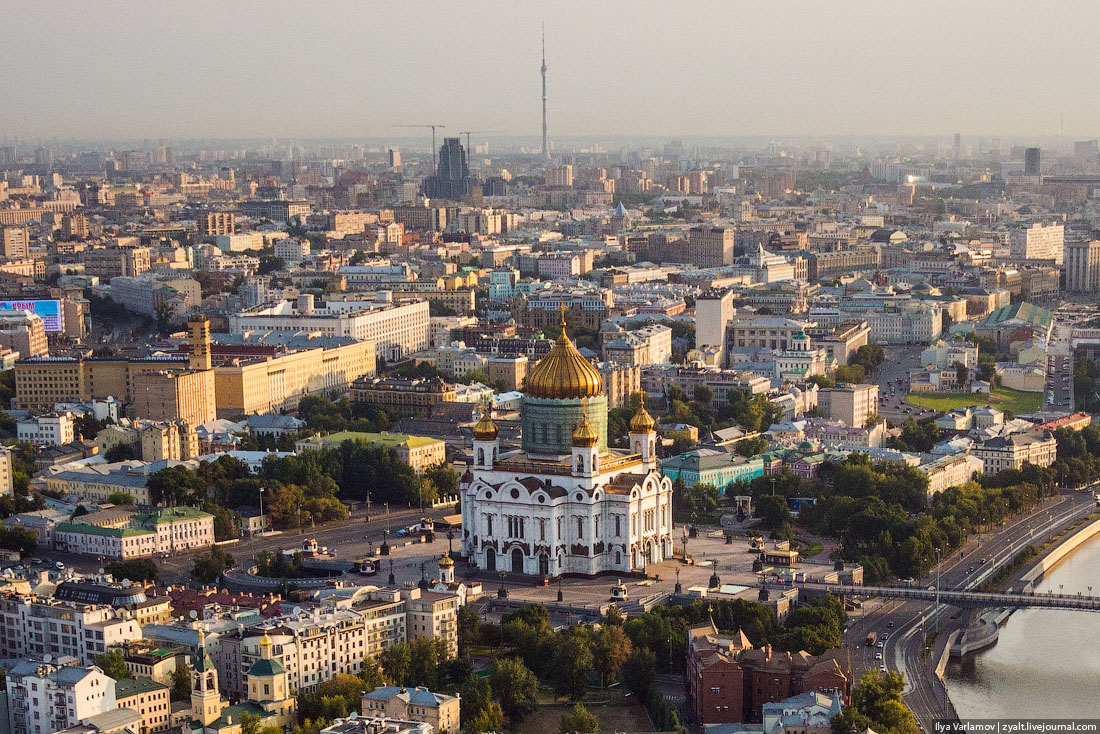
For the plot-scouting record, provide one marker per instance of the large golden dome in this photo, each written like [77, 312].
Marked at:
[563, 373]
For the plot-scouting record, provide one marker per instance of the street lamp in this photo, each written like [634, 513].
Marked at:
[502, 593]
[937, 591]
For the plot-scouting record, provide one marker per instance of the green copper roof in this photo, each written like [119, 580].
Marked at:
[267, 668]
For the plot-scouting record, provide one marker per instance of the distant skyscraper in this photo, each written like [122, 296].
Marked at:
[1031, 162]
[545, 142]
[958, 146]
[453, 179]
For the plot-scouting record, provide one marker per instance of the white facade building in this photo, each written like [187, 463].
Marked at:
[566, 503]
[45, 697]
[54, 429]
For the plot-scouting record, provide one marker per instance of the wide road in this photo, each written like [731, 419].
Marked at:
[353, 538]
[905, 628]
[1058, 394]
[892, 378]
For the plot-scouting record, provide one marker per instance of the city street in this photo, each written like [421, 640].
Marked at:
[892, 378]
[905, 628]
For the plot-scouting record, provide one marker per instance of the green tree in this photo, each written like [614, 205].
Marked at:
[426, 655]
[751, 446]
[640, 670]
[113, 663]
[181, 681]
[371, 674]
[227, 523]
[854, 374]
[469, 628]
[209, 566]
[579, 719]
[138, 569]
[773, 510]
[611, 649]
[396, 661]
[877, 704]
[120, 498]
[121, 452]
[250, 723]
[516, 687]
[571, 662]
[478, 711]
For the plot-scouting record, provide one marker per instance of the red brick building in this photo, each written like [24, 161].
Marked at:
[728, 680]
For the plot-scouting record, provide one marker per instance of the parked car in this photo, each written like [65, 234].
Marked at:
[60, 566]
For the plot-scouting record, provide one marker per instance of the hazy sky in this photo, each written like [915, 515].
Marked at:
[233, 68]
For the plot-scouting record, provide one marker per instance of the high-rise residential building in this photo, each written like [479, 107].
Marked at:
[713, 312]
[1031, 161]
[217, 223]
[74, 225]
[452, 178]
[852, 404]
[23, 332]
[710, 247]
[559, 175]
[56, 695]
[15, 242]
[165, 395]
[1083, 266]
[1038, 242]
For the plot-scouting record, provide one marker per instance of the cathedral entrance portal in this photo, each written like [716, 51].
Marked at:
[650, 552]
[490, 559]
[544, 565]
[517, 561]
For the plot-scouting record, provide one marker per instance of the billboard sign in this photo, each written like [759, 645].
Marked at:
[48, 311]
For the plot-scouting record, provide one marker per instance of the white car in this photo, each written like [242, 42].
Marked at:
[59, 566]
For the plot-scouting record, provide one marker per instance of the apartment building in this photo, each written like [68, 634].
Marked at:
[74, 225]
[52, 429]
[35, 627]
[620, 381]
[713, 312]
[150, 295]
[1083, 266]
[587, 308]
[913, 323]
[438, 710]
[23, 332]
[15, 242]
[395, 330]
[217, 223]
[1038, 242]
[166, 395]
[405, 396]
[950, 471]
[710, 247]
[647, 345]
[45, 697]
[851, 404]
[113, 262]
[432, 614]
[149, 699]
[1016, 449]
[658, 379]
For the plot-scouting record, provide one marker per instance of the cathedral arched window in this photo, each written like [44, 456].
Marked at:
[580, 465]
[481, 457]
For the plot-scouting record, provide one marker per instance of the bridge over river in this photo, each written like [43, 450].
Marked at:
[961, 599]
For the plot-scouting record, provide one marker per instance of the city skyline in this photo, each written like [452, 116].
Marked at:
[845, 69]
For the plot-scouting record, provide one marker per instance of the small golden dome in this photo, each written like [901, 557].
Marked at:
[585, 436]
[485, 429]
[642, 422]
[563, 373]
[446, 562]
[265, 641]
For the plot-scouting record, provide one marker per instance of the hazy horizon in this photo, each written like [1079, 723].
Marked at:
[344, 70]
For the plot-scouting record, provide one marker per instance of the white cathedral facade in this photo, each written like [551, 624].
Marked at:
[565, 503]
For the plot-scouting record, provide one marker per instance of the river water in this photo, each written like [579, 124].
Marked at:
[1045, 663]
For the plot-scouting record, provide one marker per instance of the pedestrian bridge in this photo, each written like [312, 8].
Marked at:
[961, 599]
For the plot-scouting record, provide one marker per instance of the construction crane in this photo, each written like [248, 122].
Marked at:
[468, 133]
[433, 127]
